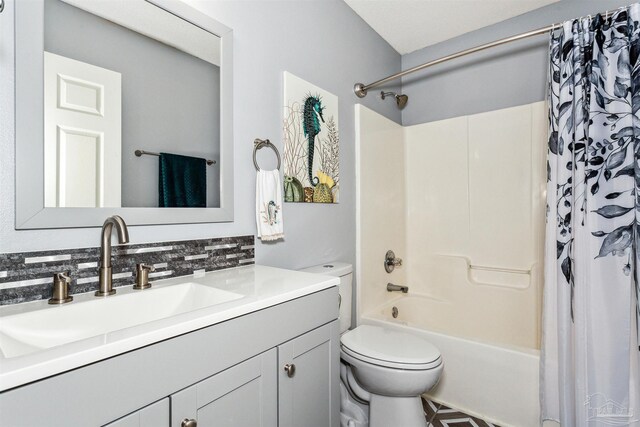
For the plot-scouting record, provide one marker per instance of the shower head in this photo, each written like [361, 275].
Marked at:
[401, 100]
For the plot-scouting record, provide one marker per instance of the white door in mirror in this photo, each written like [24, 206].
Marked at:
[82, 134]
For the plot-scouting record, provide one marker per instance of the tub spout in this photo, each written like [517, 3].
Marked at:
[397, 288]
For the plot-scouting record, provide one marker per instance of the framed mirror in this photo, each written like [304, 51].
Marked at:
[122, 107]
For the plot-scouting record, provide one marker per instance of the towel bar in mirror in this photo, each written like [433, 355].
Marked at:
[140, 153]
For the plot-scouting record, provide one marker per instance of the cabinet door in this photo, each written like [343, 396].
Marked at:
[243, 395]
[308, 379]
[154, 415]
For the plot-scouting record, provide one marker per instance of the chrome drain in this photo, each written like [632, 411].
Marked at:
[394, 312]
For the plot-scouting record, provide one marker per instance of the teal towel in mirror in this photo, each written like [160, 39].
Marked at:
[183, 181]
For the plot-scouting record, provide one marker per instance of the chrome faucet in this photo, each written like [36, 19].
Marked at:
[106, 276]
[397, 288]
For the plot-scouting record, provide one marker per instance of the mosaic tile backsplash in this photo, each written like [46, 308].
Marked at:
[28, 276]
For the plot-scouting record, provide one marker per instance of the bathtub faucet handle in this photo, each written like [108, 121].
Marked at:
[391, 261]
[397, 288]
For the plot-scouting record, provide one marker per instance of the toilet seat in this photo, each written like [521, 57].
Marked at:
[389, 348]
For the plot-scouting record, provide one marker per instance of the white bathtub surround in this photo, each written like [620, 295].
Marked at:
[590, 369]
[475, 221]
[463, 200]
[380, 205]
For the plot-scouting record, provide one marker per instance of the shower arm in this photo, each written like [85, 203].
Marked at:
[361, 89]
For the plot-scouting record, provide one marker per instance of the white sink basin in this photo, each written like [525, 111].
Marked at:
[25, 333]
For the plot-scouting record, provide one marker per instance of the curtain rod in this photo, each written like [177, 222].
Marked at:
[361, 89]
[140, 153]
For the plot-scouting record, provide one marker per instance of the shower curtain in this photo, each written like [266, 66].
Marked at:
[589, 360]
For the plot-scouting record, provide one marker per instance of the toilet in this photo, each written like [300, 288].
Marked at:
[384, 369]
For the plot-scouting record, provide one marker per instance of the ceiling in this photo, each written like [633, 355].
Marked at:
[409, 25]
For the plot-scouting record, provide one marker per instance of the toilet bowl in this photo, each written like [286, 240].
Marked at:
[386, 369]
[390, 370]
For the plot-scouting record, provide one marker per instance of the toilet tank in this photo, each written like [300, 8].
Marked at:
[345, 272]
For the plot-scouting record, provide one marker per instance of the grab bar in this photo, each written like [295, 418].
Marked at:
[488, 275]
[499, 269]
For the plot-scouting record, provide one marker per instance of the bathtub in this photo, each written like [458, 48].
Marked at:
[489, 379]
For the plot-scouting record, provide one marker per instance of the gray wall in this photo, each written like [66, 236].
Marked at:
[505, 76]
[322, 41]
[170, 99]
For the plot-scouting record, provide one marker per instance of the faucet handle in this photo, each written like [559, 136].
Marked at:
[391, 261]
[147, 267]
[62, 277]
[61, 282]
[142, 276]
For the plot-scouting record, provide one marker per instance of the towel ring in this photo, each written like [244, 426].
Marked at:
[258, 144]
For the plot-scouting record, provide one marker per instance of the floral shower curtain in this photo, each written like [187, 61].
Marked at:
[589, 360]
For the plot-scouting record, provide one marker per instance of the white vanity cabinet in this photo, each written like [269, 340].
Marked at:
[225, 375]
[154, 415]
[305, 395]
[243, 395]
[288, 386]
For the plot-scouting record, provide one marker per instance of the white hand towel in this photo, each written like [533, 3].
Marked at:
[269, 205]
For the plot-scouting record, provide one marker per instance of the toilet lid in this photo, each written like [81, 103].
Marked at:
[388, 347]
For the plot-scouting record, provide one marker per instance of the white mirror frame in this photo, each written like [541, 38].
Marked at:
[29, 192]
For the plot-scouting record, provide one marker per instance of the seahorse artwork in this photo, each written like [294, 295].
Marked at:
[311, 155]
[311, 116]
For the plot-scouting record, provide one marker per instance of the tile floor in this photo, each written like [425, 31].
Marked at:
[439, 415]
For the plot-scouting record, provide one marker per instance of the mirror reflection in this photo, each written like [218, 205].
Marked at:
[121, 77]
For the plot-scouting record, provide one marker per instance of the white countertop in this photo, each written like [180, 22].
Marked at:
[260, 286]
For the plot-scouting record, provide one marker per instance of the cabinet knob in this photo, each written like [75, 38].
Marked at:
[189, 423]
[290, 369]
[1, 5]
